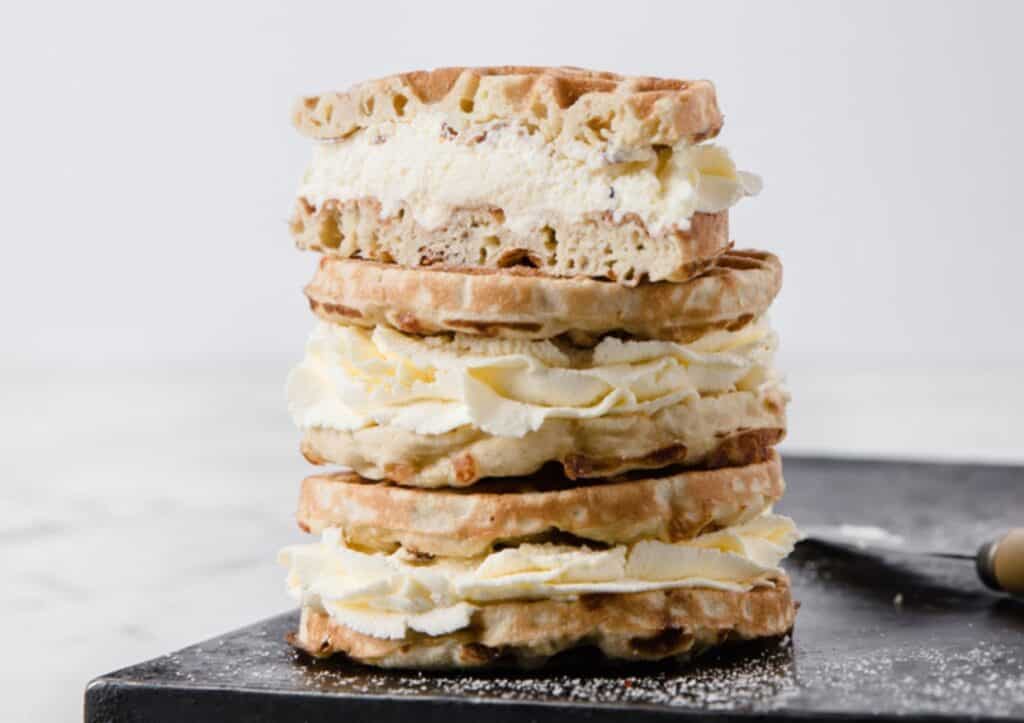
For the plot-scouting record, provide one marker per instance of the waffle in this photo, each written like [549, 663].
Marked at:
[519, 303]
[678, 623]
[597, 246]
[670, 506]
[561, 103]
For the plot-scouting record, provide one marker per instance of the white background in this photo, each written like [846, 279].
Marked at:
[150, 292]
[149, 164]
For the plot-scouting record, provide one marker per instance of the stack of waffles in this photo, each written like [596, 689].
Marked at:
[540, 379]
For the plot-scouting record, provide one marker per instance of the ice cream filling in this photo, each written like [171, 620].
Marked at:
[432, 170]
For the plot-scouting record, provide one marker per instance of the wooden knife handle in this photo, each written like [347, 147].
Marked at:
[1001, 562]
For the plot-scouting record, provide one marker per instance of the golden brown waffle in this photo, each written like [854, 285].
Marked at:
[666, 505]
[677, 623]
[597, 246]
[568, 103]
[518, 303]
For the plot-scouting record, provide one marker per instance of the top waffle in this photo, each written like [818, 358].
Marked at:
[568, 171]
[560, 102]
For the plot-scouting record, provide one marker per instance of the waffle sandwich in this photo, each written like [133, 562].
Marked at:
[540, 378]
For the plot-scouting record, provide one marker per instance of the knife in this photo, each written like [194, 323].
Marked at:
[999, 561]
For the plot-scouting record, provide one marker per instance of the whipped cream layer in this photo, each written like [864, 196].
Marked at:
[432, 169]
[388, 595]
[353, 378]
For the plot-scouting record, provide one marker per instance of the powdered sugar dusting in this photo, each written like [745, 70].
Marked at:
[800, 675]
[984, 680]
[987, 679]
[758, 678]
[859, 535]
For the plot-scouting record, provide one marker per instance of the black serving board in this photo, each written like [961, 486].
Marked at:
[877, 636]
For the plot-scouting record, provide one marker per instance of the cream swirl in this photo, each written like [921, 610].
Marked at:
[352, 378]
[388, 595]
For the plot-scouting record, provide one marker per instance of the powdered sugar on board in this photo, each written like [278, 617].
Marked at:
[984, 680]
[858, 535]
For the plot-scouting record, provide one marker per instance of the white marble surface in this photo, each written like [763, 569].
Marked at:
[143, 509]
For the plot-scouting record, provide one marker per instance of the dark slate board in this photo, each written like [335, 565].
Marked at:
[944, 649]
